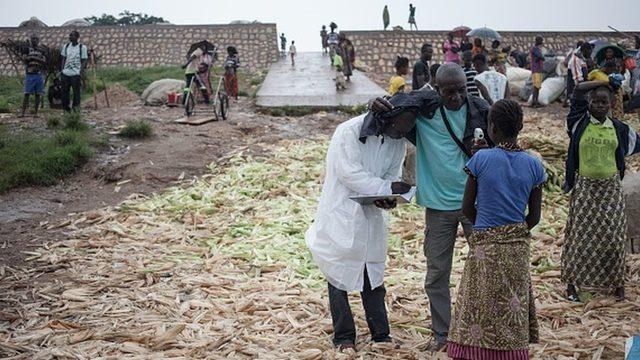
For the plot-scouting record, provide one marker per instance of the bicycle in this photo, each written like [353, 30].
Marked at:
[218, 105]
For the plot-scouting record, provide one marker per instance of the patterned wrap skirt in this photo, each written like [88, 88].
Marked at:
[593, 253]
[494, 316]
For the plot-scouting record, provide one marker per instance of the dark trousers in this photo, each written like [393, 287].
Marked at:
[440, 238]
[344, 329]
[68, 82]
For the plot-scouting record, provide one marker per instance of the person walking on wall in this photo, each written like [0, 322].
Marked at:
[385, 17]
[283, 45]
[412, 17]
[293, 53]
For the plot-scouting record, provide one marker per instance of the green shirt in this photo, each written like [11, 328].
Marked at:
[597, 150]
[440, 164]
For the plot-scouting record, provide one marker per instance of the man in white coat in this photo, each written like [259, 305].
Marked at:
[348, 240]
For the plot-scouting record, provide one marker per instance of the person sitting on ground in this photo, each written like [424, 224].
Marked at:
[364, 158]
[470, 73]
[504, 182]
[54, 94]
[397, 83]
[594, 247]
[492, 85]
[34, 64]
[420, 74]
[537, 68]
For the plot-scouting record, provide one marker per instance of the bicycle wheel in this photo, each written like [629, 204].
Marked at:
[190, 104]
[224, 105]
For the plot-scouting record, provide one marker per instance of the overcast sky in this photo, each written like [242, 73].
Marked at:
[300, 20]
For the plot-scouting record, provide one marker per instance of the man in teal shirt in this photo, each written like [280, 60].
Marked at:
[444, 142]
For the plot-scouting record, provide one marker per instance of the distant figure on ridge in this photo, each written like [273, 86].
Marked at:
[348, 53]
[385, 17]
[324, 36]
[332, 40]
[283, 45]
[293, 52]
[412, 17]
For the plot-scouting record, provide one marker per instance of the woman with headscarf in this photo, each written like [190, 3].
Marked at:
[348, 53]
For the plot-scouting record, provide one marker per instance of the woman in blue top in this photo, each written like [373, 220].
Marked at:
[494, 315]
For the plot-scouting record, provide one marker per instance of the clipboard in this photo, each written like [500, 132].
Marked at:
[399, 198]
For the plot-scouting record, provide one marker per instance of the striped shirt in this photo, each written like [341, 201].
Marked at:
[472, 89]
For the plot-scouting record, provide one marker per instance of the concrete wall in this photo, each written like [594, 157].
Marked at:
[379, 49]
[151, 45]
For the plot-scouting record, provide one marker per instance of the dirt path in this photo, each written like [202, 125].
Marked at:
[137, 166]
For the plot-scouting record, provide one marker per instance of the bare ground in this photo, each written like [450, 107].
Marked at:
[127, 167]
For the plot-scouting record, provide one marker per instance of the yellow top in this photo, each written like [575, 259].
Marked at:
[598, 75]
[396, 83]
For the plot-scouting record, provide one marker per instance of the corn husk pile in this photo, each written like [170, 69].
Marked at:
[218, 268]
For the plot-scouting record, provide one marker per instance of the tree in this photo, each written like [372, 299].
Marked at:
[125, 18]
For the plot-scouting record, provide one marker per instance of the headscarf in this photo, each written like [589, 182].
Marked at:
[374, 123]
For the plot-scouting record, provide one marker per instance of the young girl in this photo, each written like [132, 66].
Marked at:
[593, 253]
[494, 314]
[397, 83]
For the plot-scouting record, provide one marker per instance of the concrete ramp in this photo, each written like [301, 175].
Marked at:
[310, 83]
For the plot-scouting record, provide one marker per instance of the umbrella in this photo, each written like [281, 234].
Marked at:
[484, 33]
[204, 45]
[600, 50]
[460, 31]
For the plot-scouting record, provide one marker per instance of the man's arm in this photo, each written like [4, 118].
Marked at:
[351, 173]
[634, 142]
[84, 57]
[469, 200]
[535, 207]
[483, 90]
[579, 104]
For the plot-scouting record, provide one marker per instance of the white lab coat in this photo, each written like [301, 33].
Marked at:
[346, 236]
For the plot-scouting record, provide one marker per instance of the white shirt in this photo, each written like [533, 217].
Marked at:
[495, 83]
[346, 236]
[73, 62]
[292, 49]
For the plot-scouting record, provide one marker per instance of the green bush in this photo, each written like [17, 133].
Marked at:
[73, 121]
[53, 122]
[31, 159]
[4, 106]
[136, 130]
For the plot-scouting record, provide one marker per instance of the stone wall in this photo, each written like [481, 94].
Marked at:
[379, 49]
[152, 45]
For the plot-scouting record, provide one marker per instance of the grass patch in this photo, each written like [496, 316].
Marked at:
[11, 93]
[353, 110]
[290, 110]
[136, 130]
[54, 122]
[73, 121]
[27, 158]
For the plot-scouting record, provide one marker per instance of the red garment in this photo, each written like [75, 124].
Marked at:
[231, 83]
[457, 351]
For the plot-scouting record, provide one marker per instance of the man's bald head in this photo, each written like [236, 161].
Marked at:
[451, 83]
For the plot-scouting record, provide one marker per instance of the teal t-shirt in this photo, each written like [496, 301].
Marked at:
[440, 164]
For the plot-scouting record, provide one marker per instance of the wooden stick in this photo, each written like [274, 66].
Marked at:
[618, 31]
[93, 67]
